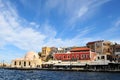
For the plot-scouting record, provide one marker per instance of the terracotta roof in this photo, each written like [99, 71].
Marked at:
[79, 49]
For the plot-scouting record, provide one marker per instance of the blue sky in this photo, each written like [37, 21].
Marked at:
[27, 25]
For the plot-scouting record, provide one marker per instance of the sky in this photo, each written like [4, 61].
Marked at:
[29, 25]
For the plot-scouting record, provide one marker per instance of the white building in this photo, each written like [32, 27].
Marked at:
[31, 60]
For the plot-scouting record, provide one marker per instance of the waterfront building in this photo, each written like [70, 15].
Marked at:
[45, 52]
[30, 60]
[76, 54]
[100, 47]
[116, 52]
[53, 50]
[60, 50]
[116, 49]
[64, 49]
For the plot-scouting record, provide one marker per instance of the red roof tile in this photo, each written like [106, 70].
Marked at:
[80, 49]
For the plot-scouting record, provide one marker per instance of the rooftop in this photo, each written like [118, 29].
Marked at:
[95, 41]
[80, 49]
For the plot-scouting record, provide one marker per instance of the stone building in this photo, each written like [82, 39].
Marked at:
[116, 52]
[100, 47]
[53, 50]
[30, 60]
[116, 49]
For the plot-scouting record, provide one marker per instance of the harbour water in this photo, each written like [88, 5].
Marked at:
[55, 75]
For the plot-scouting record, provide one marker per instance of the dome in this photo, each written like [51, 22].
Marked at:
[31, 55]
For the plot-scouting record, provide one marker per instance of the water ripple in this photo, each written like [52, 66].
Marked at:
[55, 75]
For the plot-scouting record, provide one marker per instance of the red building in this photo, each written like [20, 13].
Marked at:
[74, 55]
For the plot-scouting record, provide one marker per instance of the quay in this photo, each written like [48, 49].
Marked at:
[111, 67]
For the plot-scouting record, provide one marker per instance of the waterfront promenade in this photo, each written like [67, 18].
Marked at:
[112, 67]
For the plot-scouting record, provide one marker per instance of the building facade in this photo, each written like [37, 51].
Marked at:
[116, 49]
[53, 50]
[100, 47]
[45, 52]
[75, 54]
[31, 60]
[64, 49]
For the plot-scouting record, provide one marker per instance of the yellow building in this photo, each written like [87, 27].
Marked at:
[45, 52]
[31, 60]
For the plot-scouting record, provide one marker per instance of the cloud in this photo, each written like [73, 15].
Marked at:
[18, 32]
[32, 36]
[25, 35]
[111, 32]
[117, 23]
[48, 30]
[75, 11]
[84, 31]
[82, 11]
[86, 10]
[115, 27]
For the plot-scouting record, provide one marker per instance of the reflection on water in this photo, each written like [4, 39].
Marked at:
[56, 75]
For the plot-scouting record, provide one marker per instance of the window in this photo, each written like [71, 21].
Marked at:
[15, 63]
[109, 57]
[59, 57]
[117, 49]
[72, 56]
[102, 57]
[29, 63]
[68, 57]
[88, 56]
[77, 57]
[19, 63]
[81, 56]
[24, 63]
[85, 56]
[38, 65]
[104, 44]
[98, 57]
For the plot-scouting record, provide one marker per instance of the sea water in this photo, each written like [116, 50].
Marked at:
[56, 75]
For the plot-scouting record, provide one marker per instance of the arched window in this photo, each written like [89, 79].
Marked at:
[29, 63]
[98, 57]
[19, 63]
[15, 63]
[24, 63]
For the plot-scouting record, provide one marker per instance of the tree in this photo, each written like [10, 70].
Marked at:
[49, 57]
[39, 53]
